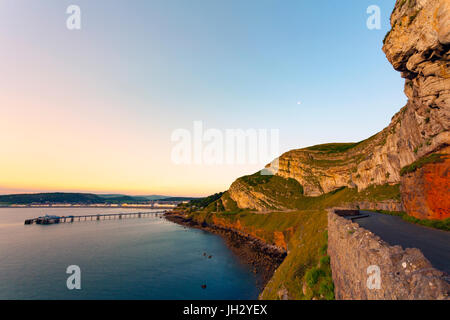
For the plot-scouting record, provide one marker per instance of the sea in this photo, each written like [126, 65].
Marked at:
[136, 258]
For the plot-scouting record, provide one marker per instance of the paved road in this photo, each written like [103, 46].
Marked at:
[434, 244]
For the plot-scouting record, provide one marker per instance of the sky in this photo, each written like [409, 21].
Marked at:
[94, 110]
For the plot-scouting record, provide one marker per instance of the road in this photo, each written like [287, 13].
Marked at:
[434, 244]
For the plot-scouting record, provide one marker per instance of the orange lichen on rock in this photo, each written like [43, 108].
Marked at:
[426, 191]
[437, 189]
[237, 226]
[279, 240]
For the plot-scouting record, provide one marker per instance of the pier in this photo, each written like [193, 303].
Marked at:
[94, 217]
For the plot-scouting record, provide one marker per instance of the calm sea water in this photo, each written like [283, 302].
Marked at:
[147, 258]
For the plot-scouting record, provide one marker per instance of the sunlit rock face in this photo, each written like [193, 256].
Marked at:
[425, 191]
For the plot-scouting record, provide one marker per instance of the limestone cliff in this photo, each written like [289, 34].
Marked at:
[417, 46]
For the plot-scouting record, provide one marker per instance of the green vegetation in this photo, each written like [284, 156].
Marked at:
[201, 203]
[226, 204]
[436, 224]
[313, 275]
[283, 192]
[168, 198]
[257, 179]
[432, 158]
[333, 147]
[345, 195]
[318, 279]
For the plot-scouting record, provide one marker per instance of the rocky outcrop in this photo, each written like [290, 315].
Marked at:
[426, 189]
[263, 193]
[247, 197]
[365, 267]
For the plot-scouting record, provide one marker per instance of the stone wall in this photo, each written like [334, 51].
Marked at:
[387, 205]
[404, 274]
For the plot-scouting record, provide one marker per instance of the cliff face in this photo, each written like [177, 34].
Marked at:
[417, 46]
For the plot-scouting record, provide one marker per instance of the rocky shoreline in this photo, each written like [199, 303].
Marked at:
[263, 259]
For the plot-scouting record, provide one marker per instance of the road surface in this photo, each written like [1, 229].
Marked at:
[434, 244]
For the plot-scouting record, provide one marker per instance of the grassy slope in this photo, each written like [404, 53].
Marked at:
[429, 159]
[333, 147]
[305, 273]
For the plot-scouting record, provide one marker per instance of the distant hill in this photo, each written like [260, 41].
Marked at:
[140, 198]
[179, 199]
[154, 197]
[109, 196]
[146, 198]
[57, 197]
[201, 203]
[87, 198]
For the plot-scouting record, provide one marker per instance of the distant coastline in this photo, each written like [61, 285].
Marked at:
[14, 206]
[88, 200]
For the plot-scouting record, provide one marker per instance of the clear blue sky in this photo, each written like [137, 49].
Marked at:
[140, 69]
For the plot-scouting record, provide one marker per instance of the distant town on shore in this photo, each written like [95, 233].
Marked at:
[62, 200]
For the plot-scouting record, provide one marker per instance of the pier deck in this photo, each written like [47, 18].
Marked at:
[92, 217]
